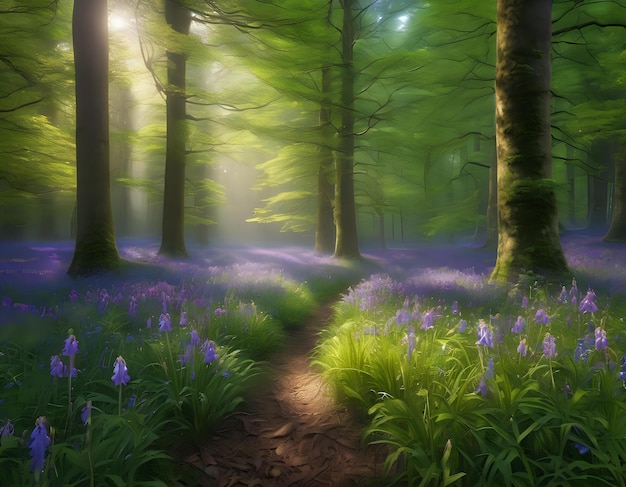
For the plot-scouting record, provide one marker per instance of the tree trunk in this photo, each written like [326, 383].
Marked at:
[528, 232]
[491, 241]
[602, 155]
[95, 248]
[617, 229]
[173, 235]
[325, 228]
[346, 242]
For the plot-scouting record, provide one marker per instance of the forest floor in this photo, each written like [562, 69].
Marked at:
[292, 433]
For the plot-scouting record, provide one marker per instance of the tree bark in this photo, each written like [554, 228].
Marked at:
[346, 242]
[528, 232]
[95, 248]
[325, 228]
[617, 228]
[173, 234]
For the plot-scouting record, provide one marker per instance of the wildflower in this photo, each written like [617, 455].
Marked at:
[39, 442]
[582, 449]
[519, 325]
[602, 342]
[455, 307]
[165, 323]
[522, 348]
[85, 414]
[104, 301]
[57, 367]
[428, 320]
[462, 326]
[485, 337]
[525, 303]
[186, 357]
[195, 339]
[622, 374]
[402, 317]
[219, 311]
[563, 296]
[70, 350]
[411, 342]
[210, 355]
[7, 429]
[482, 388]
[120, 372]
[549, 346]
[489, 374]
[541, 317]
[587, 304]
[73, 295]
[183, 318]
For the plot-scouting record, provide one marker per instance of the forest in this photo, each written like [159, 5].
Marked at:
[187, 185]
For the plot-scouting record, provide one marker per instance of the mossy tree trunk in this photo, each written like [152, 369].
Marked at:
[95, 248]
[617, 228]
[346, 242]
[528, 233]
[173, 233]
[325, 224]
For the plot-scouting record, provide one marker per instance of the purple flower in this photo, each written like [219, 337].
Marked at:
[39, 442]
[563, 296]
[602, 343]
[462, 326]
[519, 325]
[482, 388]
[85, 414]
[582, 449]
[455, 307]
[132, 306]
[210, 355]
[57, 367]
[71, 347]
[165, 323]
[489, 374]
[120, 372]
[541, 317]
[195, 339]
[149, 322]
[187, 356]
[549, 346]
[73, 295]
[525, 303]
[7, 429]
[402, 317]
[428, 320]
[219, 311]
[522, 348]
[183, 318]
[587, 304]
[411, 342]
[485, 337]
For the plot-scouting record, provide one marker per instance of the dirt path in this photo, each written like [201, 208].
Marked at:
[292, 434]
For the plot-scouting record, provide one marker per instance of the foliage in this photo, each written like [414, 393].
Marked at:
[465, 390]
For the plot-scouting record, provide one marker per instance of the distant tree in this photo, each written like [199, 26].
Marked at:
[617, 227]
[173, 233]
[528, 233]
[95, 248]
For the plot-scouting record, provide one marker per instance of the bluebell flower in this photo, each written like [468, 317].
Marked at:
[525, 303]
[7, 430]
[57, 367]
[210, 355]
[549, 346]
[120, 372]
[563, 296]
[485, 337]
[482, 388]
[519, 325]
[428, 320]
[39, 442]
[132, 306]
[602, 342]
[462, 326]
[70, 350]
[541, 317]
[195, 339]
[489, 374]
[582, 449]
[587, 304]
[455, 307]
[165, 324]
[85, 414]
[183, 318]
[402, 317]
[522, 348]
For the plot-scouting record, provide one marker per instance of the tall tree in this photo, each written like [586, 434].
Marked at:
[528, 234]
[346, 242]
[617, 227]
[95, 248]
[173, 234]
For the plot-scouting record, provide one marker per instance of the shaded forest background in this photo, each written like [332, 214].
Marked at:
[263, 115]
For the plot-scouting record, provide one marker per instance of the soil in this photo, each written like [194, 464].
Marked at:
[292, 433]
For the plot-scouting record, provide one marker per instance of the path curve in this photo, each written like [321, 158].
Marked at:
[292, 433]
